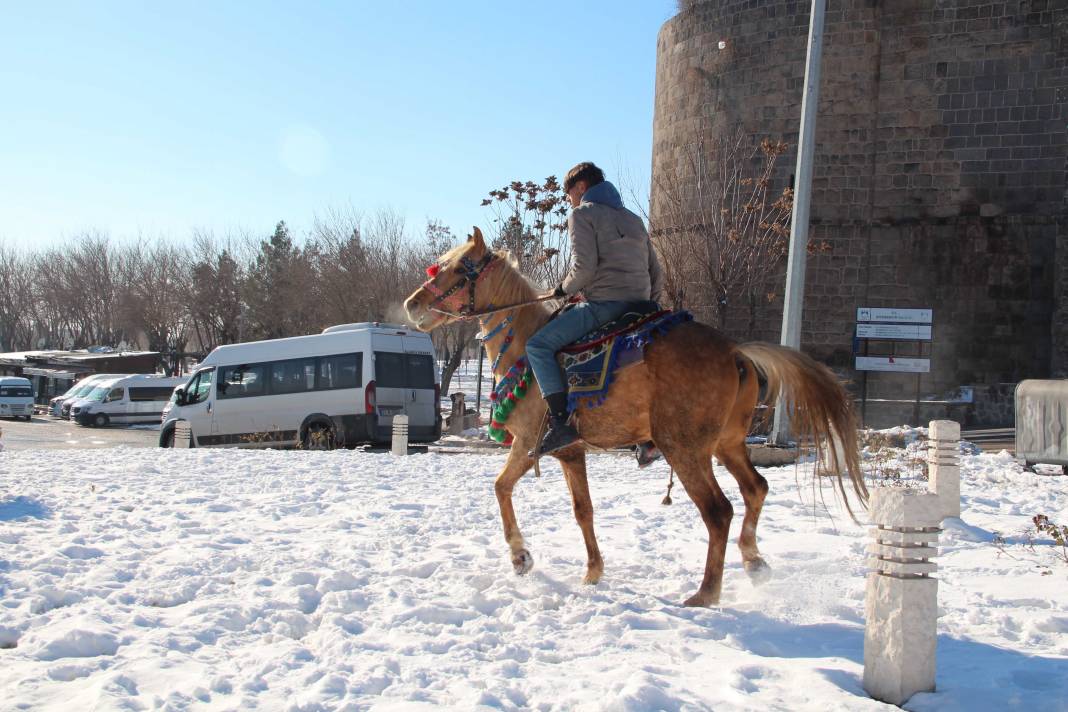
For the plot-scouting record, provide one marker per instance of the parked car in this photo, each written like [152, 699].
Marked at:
[339, 388]
[16, 397]
[128, 400]
[78, 390]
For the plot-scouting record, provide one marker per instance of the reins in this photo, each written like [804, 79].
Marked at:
[494, 310]
[472, 273]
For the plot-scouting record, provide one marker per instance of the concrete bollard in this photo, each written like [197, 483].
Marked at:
[183, 434]
[400, 434]
[943, 464]
[456, 417]
[901, 601]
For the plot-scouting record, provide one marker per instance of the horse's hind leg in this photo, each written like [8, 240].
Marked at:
[517, 465]
[754, 489]
[693, 465]
[575, 473]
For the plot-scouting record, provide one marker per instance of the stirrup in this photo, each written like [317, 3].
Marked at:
[562, 434]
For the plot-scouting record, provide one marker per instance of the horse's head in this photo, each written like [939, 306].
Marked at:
[450, 291]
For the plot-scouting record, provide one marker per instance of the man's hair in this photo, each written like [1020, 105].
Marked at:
[584, 171]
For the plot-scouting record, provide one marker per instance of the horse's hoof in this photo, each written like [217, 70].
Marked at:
[522, 562]
[701, 600]
[758, 570]
[592, 578]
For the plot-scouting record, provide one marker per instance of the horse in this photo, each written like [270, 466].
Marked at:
[694, 396]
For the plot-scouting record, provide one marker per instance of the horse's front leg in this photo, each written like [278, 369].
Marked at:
[575, 473]
[517, 465]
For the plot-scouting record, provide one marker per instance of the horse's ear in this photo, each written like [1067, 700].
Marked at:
[477, 240]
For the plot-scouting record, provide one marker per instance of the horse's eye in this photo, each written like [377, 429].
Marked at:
[459, 270]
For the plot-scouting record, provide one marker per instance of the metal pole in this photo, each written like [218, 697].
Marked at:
[478, 388]
[795, 267]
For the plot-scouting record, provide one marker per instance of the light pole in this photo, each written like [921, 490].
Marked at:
[795, 266]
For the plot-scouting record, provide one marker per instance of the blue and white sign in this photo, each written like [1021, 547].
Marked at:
[901, 316]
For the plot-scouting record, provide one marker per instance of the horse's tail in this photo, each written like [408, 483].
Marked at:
[817, 405]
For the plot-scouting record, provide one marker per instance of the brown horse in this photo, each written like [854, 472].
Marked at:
[694, 396]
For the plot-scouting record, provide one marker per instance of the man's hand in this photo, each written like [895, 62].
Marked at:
[557, 293]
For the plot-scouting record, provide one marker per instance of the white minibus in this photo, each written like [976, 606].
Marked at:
[16, 397]
[78, 390]
[139, 398]
[338, 388]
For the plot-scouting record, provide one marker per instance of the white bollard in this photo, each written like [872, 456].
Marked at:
[901, 602]
[183, 434]
[400, 434]
[943, 464]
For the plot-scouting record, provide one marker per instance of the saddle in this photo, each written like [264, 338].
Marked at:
[591, 363]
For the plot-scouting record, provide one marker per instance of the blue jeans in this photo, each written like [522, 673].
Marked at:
[567, 328]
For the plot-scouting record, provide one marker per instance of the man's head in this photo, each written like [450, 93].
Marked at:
[580, 179]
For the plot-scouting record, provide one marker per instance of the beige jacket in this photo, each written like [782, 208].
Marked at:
[612, 258]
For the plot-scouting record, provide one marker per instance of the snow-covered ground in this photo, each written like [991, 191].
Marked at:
[193, 579]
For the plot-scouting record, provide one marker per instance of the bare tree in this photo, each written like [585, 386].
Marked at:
[156, 277]
[531, 223]
[719, 228]
[16, 300]
[213, 292]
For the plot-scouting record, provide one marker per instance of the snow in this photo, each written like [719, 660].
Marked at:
[222, 580]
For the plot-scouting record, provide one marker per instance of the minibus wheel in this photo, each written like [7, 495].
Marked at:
[319, 437]
[100, 420]
[167, 439]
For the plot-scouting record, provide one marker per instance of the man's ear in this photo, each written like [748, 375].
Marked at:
[477, 240]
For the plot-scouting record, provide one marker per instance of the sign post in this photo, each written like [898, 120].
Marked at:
[895, 326]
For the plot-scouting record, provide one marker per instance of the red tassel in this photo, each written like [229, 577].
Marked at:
[432, 271]
[511, 397]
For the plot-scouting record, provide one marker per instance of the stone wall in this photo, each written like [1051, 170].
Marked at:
[940, 173]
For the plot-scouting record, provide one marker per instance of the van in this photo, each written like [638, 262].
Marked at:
[16, 397]
[128, 400]
[78, 390]
[338, 388]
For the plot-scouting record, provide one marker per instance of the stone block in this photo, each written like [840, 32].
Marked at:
[899, 508]
[944, 430]
[899, 637]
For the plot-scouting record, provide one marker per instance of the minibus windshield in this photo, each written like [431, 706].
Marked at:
[16, 392]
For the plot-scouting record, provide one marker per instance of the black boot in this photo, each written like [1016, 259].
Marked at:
[561, 432]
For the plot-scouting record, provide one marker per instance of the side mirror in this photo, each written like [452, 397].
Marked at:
[179, 396]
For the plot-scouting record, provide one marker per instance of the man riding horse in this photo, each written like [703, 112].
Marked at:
[613, 266]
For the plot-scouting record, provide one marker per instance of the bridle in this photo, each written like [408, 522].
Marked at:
[450, 298]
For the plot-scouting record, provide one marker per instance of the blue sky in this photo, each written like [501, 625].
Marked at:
[139, 119]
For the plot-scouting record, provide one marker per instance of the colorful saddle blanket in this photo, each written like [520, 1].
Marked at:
[591, 364]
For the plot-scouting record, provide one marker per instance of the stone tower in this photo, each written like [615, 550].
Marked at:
[940, 172]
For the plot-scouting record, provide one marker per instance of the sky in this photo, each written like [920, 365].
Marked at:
[147, 121]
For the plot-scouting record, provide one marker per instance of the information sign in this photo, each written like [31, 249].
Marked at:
[893, 363]
[909, 332]
[906, 316]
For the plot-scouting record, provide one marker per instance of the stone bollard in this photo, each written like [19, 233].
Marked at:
[901, 602]
[183, 434]
[400, 434]
[943, 464]
[456, 418]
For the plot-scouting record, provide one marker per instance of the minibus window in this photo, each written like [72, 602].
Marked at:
[343, 371]
[420, 371]
[200, 387]
[241, 381]
[389, 370]
[294, 376]
[16, 392]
